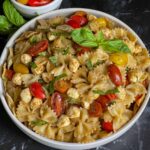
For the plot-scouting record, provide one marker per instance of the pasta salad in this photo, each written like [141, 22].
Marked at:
[76, 79]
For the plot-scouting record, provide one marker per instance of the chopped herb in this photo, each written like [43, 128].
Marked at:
[106, 92]
[73, 101]
[43, 53]
[39, 122]
[41, 81]
[127, 69]
[89, 65]
[53, 60]
[65, 51]
[98, 63]
[50, 87]
[32, 65]
[111, 103]
[33, 39]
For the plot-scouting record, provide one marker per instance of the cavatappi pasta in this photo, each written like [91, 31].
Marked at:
[77, 78]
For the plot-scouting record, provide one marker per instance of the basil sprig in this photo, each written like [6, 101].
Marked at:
[38, 122]
[86, 38]
[100, 92]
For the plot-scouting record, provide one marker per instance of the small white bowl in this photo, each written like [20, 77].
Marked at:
[29, 11]
[53, 143]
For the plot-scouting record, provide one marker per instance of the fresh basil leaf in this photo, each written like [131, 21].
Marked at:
[115, 46]
[41, 81]
[100, 36]
[84, 37]
[89, 64]
[53, 60]
[5, 25]
[33, 39]
[32, 65]
[12, 14]
[65, 51]
[106, 92]
[43, 53]
[60, 76]
[38, 122]
[73, 101]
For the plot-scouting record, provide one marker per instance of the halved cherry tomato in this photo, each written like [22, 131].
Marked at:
[9, 74]
[80, 13]
[35, 3]
[73, 24]
[115, 74]
[95, 109]
[57, 103]
[76, 21]
[38, 47]
[80, 49]
[81, 20]
[139, 99]
[61, 86]
[107, 126]
[104, 101]
[111, 96]
[37, 90]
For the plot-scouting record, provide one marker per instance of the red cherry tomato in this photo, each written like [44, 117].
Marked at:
[38, 47]
[9, 74]
[35, 3]
[57, 103]
[37, 90]
[81, 20]
[80, 49]
[95, 109]
[104, 101]
[111, 96]
[73, 24]
[107, 126]
[115, 74]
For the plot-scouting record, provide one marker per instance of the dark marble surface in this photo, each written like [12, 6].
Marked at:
[137, 15]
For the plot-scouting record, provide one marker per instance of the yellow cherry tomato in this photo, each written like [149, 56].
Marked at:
[23, 1]
[120, 59]
[20, 68]
[102, 22]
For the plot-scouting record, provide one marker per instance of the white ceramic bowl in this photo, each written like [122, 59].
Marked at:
[29, 12]
[57, 144]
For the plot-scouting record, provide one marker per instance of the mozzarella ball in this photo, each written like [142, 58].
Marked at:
[26, 95]
[17, 79]
[73, 112]
[35, 103]
[74, 65]
[26, 58]
[63, 121]
[73, 93]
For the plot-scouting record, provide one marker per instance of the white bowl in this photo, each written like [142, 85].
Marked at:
[57, 144]
[29, 11]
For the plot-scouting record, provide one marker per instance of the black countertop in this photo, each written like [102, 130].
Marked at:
[137, 15]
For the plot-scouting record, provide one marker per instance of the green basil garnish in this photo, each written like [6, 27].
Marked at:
[53, 60]
[100, 92]
[38, 122]
[32, 65]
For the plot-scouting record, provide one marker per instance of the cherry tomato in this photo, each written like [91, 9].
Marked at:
[38, 47]
[81, 20]
[115, 74]
[80, 49]
[111, 96]
[57, 103]
[120, 59]
[73, 24]
[35, 3]
[61, 86]
[80, 13]
[37, 90]
[104, 101]
[23, 1]
[107, 126]
[9, 74]
[20, 68]
[95, 109]
[139, 99]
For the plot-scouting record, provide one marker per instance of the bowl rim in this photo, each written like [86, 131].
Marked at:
[54, 143]
[54, 2]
